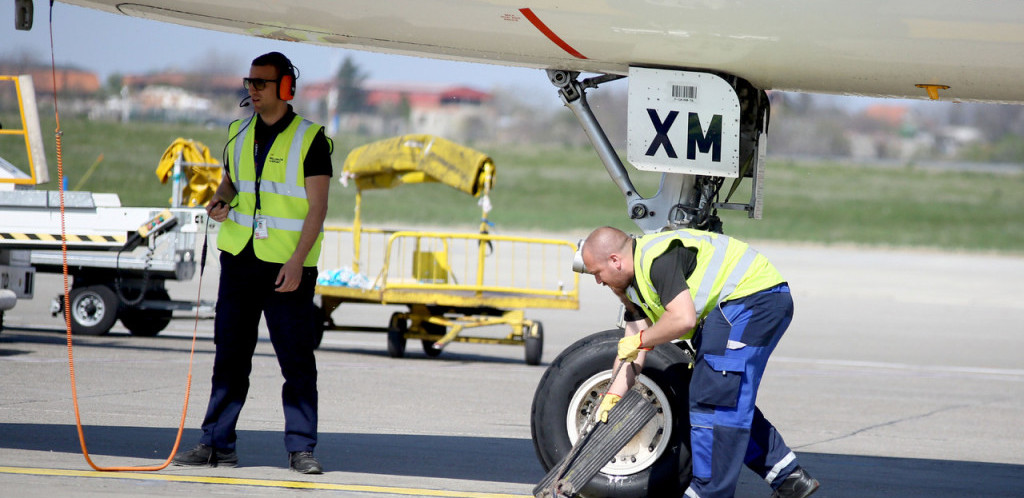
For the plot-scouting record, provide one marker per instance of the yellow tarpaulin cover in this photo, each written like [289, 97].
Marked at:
[200, 181]
[415, 159]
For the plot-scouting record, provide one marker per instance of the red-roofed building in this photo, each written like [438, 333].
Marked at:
[68, 80]
[892, 115]
[459, 113]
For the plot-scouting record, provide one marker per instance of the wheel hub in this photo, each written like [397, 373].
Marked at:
[89, 310]
[647, 446]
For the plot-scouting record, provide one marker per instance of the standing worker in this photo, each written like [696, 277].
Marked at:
[735, 306]
[272, 203]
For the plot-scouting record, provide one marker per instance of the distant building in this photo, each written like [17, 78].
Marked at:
[890, 131]
[206, 84]
[67, 80]
[456, 112]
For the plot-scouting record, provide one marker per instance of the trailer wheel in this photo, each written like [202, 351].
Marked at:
[93, 309]
[534, 339]
[428, 344]
[657, 461]
[396, 335]
[147, 322]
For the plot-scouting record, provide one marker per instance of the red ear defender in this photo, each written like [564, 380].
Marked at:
[286, 87]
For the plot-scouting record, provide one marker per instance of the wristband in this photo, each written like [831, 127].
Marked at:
[642, 348]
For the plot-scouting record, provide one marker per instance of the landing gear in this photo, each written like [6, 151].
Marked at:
[687, 197]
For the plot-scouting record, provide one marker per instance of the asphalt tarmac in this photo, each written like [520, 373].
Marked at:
[900, 376]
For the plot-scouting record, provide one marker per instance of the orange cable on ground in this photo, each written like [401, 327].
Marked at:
[67, 304]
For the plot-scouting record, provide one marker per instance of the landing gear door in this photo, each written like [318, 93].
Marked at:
[683, 122]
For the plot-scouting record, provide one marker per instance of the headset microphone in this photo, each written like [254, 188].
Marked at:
[245, 102]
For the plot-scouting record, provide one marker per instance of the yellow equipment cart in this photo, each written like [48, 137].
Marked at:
[451, 282]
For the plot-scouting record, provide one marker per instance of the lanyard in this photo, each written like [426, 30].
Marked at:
[259, 155]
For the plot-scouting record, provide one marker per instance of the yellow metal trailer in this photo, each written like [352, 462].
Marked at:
[451, 283]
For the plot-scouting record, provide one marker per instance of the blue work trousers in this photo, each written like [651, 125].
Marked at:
[247, 292]
[728, 430]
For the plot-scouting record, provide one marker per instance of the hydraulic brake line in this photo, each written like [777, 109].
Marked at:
[67, 307]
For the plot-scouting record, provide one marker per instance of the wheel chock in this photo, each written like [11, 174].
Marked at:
[625, 420]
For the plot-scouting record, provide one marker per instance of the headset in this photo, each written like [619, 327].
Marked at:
[286, 85]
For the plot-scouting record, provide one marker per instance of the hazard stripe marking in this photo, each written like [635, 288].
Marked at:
[47, 237]
[543, 28]
[268, 483]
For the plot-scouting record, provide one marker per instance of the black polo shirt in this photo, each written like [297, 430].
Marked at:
[668, 275]
[318, 158]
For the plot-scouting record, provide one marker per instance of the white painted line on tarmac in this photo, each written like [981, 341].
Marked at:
[1008, 373]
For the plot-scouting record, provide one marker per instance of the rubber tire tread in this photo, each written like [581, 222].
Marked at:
[147, 323]
[666, 365]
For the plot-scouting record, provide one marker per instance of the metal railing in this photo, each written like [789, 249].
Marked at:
[453, 262]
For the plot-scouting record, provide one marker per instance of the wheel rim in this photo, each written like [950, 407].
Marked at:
[647, 446]
[89, 309]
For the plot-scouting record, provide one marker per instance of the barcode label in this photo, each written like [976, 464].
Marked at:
[684, 92]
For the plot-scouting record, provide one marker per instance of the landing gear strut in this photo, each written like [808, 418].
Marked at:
[683, 200]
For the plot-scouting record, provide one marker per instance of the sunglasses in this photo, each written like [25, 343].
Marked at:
[258, 83]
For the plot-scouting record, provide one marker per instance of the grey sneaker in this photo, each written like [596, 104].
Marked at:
[798, 484]
[203, 456]
[304, 463]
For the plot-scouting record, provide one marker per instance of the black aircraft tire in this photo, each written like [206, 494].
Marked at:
[667, 366]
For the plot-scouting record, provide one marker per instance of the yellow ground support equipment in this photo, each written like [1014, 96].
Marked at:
[189, 162]
[450, 282]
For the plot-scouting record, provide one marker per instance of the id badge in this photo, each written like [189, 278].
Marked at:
[259, 229]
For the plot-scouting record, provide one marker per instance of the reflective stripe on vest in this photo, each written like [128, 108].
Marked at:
[282, 193]
[726, 269]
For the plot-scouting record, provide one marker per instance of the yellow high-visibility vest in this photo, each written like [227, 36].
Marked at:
[282, 193]
[726, 269]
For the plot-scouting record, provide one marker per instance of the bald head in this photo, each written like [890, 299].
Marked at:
[606, 241]
[608, 255]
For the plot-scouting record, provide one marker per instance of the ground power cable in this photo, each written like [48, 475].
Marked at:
[67, 305]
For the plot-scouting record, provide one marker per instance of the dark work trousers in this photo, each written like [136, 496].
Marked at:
[246, 292]
[727, 429]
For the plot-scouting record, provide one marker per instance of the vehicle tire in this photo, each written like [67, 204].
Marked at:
[147, 322]
[657, 461]
[428, 344]
[94, 309]
[534, 339]
[430, 350]
[396, 335]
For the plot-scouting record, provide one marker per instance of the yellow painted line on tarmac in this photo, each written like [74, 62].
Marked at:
[267, 483]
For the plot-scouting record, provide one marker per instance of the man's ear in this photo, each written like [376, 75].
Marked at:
[616, 260]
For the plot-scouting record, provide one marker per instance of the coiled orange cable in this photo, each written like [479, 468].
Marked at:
[67, 304]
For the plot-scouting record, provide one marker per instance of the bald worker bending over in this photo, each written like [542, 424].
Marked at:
[735, 306]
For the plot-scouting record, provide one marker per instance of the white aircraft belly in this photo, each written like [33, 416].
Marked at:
[875, 47]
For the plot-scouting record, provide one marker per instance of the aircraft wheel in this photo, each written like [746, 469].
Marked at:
[93, 309]
[534, 339]
[396, 335]
[654, 463]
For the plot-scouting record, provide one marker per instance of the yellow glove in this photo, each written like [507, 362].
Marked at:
[607, 403]
[630, 345]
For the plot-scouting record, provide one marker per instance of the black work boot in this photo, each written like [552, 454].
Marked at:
[203, 456]
[798, 484]
[304, 462]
